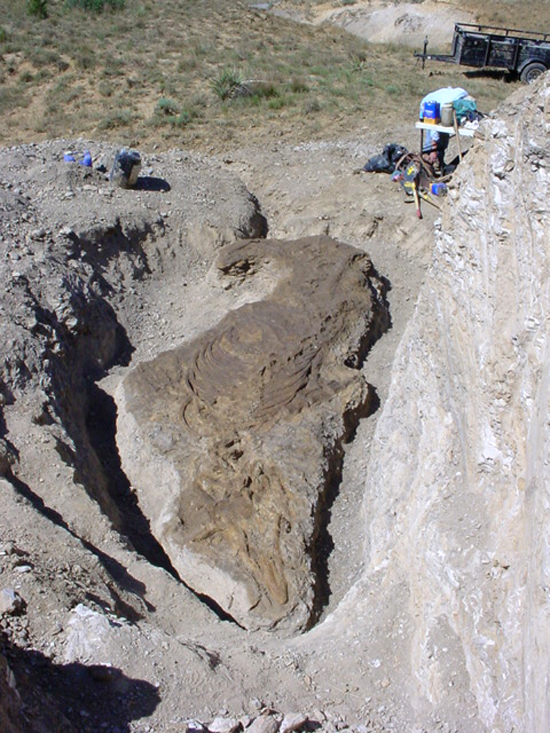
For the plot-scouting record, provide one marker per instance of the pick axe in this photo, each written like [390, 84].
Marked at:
[416, 200]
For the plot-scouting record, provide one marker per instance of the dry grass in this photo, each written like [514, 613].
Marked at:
[530, 15]
[106, 75]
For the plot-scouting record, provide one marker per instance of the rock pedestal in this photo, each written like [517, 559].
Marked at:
[231, 440]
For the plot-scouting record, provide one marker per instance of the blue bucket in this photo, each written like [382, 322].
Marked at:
[432, 113]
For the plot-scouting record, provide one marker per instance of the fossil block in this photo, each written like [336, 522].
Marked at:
[232, 440]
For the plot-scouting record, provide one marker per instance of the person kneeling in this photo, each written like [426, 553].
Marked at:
[433, 150]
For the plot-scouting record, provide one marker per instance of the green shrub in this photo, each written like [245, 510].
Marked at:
[96, 6]
[357, 62]
[277, 103]
[225, 85]
[115, 119]
[3, 35]
[167, 107]
[43, 75]
[167, 112]
[265, 90]
[183, 119]
[13, 98]
[38, 8]
[115, 67]
[312, 106]
[85, 59]
[167, 86]
[298, 86]
[187, 63]
[105, 88]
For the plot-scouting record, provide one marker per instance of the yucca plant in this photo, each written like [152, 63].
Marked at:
[226, 83]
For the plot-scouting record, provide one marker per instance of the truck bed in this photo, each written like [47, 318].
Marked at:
[498, 47]
[491, 46]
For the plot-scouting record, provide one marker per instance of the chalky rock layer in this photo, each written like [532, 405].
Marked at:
[458, 491]
[232, 439]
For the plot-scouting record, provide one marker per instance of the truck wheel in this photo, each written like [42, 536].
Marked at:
[532, 71]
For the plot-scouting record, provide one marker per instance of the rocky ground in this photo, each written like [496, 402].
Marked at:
[98, 279]
[98, 632]
[429, 620]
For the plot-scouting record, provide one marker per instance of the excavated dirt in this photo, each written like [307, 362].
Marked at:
[97, 281]
[406, 23]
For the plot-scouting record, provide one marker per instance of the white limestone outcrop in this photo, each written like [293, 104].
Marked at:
[456, 592]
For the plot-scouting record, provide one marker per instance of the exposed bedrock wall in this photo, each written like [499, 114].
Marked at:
[457, 498]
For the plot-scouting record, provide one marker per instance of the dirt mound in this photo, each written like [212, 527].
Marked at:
[406, 24]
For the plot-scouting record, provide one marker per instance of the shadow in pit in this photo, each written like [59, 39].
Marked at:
[323, 544]
[73, 697]
[101, 430]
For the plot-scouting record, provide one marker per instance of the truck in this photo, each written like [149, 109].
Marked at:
[524, 53]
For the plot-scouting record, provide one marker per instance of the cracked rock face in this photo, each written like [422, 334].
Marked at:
[233, 439]
[458, 488]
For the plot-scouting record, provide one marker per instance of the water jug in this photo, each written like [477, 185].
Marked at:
[86, 159]
[431, 113]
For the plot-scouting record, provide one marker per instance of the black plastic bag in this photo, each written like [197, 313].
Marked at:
[385, 163]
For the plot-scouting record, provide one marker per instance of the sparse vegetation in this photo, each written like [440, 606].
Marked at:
[298, 86]
[126, 62]
[85, 59]
[115, 120]
[96, 6]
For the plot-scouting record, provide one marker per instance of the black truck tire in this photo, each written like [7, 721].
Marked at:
[532, 71]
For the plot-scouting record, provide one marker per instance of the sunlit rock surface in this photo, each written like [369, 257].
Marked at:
[456, 591]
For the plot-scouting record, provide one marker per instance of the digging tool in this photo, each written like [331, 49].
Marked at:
[429, 198]
[455, 125]
[416, 200]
